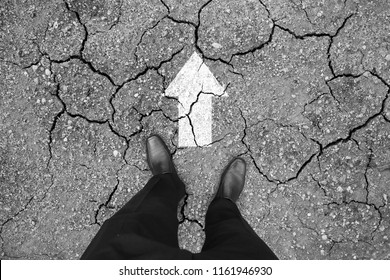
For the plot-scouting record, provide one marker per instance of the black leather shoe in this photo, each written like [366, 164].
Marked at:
[158, 156]
[232, 180]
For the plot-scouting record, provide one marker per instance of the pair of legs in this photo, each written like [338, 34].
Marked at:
[146, 227]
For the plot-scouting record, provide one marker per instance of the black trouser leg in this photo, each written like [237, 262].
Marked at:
[146, 227]
[229, 236]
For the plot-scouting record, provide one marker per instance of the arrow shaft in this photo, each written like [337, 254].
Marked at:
[200, 124]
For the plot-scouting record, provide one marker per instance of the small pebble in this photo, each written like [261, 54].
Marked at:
[216, 46]
[324, 237]
[47, 72]
[116, 153]
[387, 57]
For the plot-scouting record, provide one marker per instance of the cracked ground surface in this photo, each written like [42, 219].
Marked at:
[82, 85]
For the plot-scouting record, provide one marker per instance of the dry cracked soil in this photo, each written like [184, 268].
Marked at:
[82, 85]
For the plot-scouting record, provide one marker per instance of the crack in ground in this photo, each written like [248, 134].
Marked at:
[15, 64]
[276, 180]
[166, 6]
[54, 124]
[361, 126]
[190, 111]
[334, 242]
[306, 13]
[12, 218]
[17, 213]
[319, 153]
[196, 35]
[78, 56]
[91, 121]
[196, 31]
[152, 67]
[49, 188]
[300, 169]
[192, 130]
[138, 75]
[185, 115]
[250, 151]
[377, 209]
[357, 128]
[240, 53]
[108, 200]
[100, 122]
[269, 40]
[81, 58]
[180, 21]
[320, 35]
[266, 8]
[319, 185]
[331, 42]
[184, 217]
[332, 94]
[81, 23]
[316, 34]
[307, 227]
[367, 184]
[142, 37]
[348, 138]
[86, 62]
[117, 21]
[256, 48]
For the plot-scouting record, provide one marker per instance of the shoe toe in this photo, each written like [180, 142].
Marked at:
[158, 156]
[238, 167]
[232, 180]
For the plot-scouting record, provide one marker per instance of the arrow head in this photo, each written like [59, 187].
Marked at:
[193, 78]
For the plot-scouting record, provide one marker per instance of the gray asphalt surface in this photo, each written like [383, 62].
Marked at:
[82, 85]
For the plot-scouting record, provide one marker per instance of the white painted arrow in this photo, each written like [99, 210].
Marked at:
[195, 86]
